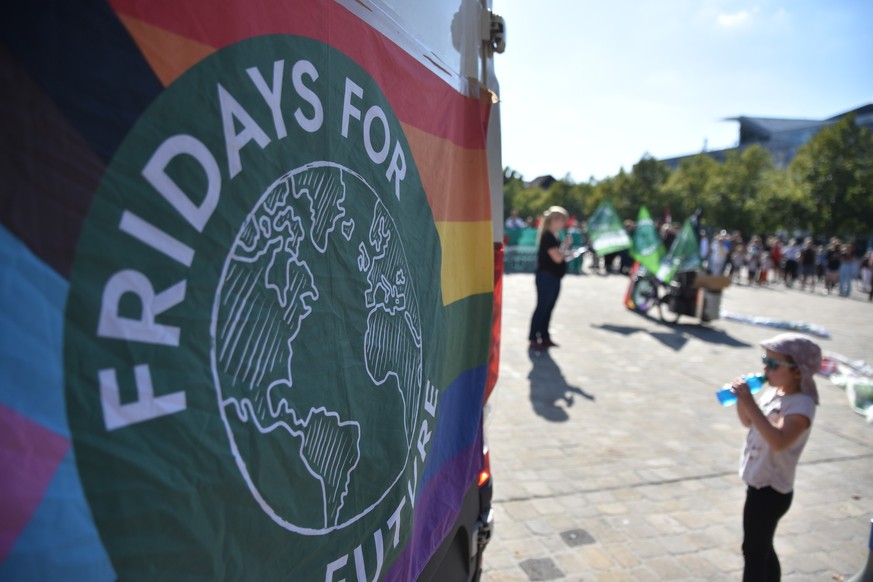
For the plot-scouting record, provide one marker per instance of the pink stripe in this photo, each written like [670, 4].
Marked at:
[30, 455]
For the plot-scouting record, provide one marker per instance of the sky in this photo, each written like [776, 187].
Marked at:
[588, 87]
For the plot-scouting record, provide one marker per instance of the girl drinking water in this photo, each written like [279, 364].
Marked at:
[779, 426]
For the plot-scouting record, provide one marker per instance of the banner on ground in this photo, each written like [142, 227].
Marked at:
[647, 248]
[606, 231]
[683, 256]
[246, 311]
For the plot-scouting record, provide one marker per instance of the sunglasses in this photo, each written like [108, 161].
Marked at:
[773, 363]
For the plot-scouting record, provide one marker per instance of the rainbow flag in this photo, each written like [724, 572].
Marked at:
[248, 293]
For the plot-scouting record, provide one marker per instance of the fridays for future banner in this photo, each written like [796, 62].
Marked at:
[246, 310]
[606, 230]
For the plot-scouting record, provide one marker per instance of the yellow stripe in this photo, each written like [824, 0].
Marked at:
[468, 259]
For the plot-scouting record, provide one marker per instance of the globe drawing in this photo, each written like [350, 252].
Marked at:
[317, 350]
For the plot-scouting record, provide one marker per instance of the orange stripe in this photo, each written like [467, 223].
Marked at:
[455, 179]
[168, 54]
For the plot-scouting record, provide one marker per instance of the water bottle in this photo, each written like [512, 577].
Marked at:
[726, 395]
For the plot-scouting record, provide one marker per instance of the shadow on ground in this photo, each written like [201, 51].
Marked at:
[549, 389]
[678, 334]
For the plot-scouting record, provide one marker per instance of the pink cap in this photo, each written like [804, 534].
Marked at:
[806, 355]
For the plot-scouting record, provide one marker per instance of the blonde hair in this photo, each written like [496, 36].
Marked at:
[548, 217]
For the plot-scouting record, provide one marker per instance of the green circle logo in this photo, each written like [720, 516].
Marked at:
[253, 324]
[264, 330]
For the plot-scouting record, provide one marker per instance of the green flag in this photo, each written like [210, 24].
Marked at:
[683, 256]
[647, 248]
[606, 231]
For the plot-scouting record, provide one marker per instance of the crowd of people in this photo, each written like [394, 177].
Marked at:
[833, 267]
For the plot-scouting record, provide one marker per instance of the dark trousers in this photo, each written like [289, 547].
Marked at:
[791, 270]
[548, 287]
[764, 507]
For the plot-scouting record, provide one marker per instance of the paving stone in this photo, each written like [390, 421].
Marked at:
[693, 519]
[571, 563]
[665, 524]
[623, 556]
[679, 544]
[650, 548]
[497, 558]
[596, 558]
[615, 576]
[697, 566]
[521, 510]
[513, 574]
[612, 509]
[549, 505]
[553, 544]
[643, 575]
[510, 530]
[577, 537]
[522, 549]
[648, 468]
[667, 568]
[561, 522]
[541, 569]
[723, 560]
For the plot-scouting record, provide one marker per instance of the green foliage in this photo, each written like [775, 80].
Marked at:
[691, 186]
[834, 172]
[513, 183]
[827, 189]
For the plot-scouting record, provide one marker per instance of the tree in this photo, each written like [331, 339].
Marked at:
[620, 191]
[734, 193]
[648, 177]
[510, 175]
[531, 202]
[835, 172]
[563, 193]
[781, 205]
[827, 189]
[513, 183]
[691, 187]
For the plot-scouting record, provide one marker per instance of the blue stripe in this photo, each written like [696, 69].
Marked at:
[60, 542]
[32, 300]
[458, 417]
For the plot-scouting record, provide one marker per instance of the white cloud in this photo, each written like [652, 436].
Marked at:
[730, 20]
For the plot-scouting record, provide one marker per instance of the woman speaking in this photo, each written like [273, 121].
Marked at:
[550, 268]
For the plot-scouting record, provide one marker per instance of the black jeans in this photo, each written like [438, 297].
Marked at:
[764, 507]
[548, 287]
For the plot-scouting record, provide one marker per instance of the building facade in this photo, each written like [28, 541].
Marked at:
[781, 137]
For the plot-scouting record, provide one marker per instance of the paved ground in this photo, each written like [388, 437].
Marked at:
[613, 461]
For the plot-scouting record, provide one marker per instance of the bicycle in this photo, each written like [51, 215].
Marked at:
[679, 295]
[648, 292]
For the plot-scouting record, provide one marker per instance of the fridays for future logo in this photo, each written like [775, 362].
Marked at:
[246, 346]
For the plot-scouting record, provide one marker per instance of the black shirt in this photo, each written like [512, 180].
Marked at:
[807, 257]
[833, 259]
[544, 261]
